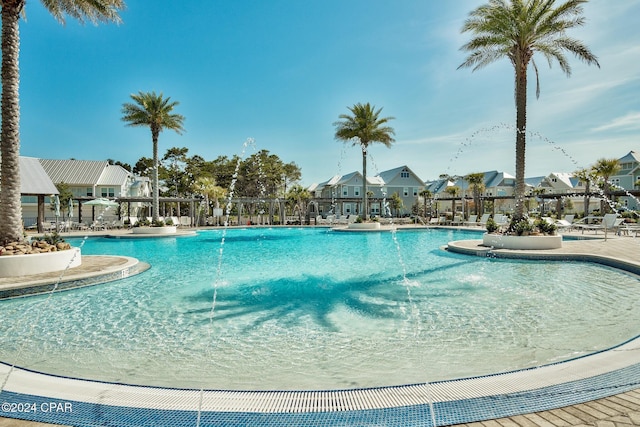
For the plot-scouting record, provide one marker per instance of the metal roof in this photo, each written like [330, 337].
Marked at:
[114, 175]
[74, 172]
[34, 179]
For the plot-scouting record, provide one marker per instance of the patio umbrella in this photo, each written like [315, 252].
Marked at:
[56, 205]
[70, 208]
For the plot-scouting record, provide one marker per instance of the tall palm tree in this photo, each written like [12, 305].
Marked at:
[156, 112]
[476, 181]
[92, 10]
[453, 191]
[605, 169]
[426, 194]
[362, 128]
[586, 176]
[516, 29]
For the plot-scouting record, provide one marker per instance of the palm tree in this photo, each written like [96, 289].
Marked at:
[92, 10]
[586, 176]
[362, 128]
[516, 29]
[453, 191]
[476, 181]
[606, 168]
[426, 194]
[156, 112]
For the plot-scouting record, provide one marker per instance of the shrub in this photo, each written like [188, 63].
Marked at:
[545, 227]
[168, 221]
[157, 223]
[492, 226]
[142, 222]
[52, 239]
[521, 227]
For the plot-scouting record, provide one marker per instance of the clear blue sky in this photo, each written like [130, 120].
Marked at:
[282, 71]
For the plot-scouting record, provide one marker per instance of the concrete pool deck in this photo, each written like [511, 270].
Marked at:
[618, 370]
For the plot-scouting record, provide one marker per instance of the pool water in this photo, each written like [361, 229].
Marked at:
[305, 308]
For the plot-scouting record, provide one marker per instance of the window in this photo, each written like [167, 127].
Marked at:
[415, 192]
[404, 174]
[405, 191]
[108, 192]
[89, 191]
[345, 191]
[356, 191]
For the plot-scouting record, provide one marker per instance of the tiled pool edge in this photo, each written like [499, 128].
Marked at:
[130, 268]
[83, 414]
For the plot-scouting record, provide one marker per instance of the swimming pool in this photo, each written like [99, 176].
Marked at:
[317, 309]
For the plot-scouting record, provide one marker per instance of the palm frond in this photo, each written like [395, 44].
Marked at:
[85, 10]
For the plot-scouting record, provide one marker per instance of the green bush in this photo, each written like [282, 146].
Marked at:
[52, 239]
[521, 227]
[545, 227]
[157, 223]
[492, 226]
[168, 221]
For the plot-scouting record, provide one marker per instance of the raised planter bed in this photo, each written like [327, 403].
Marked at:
[499, 241]
[26, 265]
[167, 229]
[364, 226]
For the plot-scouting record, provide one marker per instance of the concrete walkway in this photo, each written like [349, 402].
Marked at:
[615, 411]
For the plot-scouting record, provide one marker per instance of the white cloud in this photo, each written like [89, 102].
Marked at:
[630, 121]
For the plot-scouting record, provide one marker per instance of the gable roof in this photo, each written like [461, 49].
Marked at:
[630, 157]
[114, 175]
[34, 179]
[391, 174]
[74, 172]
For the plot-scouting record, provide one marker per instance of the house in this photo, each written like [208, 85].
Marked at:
[89, 179]
[628, 178]
[342, 194]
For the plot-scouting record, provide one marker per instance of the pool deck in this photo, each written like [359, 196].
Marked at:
[619, 407]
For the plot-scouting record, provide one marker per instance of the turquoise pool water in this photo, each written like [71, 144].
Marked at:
[306, 308]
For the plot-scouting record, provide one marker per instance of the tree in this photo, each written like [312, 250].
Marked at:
[426, 194]
[396, 203]
[156, 112]
[91, 10]
[453, 191]
[476, 182]
[605, 169]
[298, 196]
[516, 29]
[586, 176]
[362, 128]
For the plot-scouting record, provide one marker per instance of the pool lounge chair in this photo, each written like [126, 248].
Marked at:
[610, 222]
[457, 220]
[483, 220]
[565, 224]
[473, 220]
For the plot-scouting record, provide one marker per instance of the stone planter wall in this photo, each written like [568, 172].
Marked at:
[499, 241]
[25, 265]
[167, 229]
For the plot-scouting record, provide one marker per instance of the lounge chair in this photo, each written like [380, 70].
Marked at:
[501, 220]
[473, 220]
[457, 220]
[483, 220]
[610, 222]
[565, 224]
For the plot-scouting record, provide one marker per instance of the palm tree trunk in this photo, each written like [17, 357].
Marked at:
[10, 201]
[155, 205]
[521, 127]
[365, 208]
